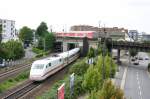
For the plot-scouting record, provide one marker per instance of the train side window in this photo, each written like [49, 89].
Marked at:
[60, 60]
[49, 64]
[46, 66]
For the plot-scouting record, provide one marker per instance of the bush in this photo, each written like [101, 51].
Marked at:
[92, 79]
[39, 55]
[108, 91]
[12, 50]
[52, 94]
[37, 51]
[79, 68]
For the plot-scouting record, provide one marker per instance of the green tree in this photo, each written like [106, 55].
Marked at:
[12, 50]
[49, 41]
[133, 52]
[26, 34]
[42, 29]
[92, 79]
[109, 91]
[91, 53]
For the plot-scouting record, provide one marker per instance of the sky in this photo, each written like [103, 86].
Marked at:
[61, 14]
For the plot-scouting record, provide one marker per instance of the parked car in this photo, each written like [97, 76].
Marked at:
[146, 58]
[132, 59]
[136, 62]
[140, 58]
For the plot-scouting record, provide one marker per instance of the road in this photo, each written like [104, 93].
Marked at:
[137, 84]
[28, 53]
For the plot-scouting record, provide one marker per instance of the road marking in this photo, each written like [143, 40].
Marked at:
[124, 78]
[139, 87]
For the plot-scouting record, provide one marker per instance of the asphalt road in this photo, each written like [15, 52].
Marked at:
[137, 84]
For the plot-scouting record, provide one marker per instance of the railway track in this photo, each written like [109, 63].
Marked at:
[10, 73]
[15, 70]
[22, 91]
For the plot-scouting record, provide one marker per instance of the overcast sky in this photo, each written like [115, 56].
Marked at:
[130, 14]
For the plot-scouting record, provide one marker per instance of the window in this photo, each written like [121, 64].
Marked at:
[49, 64]
[4, 26]
[60, 60]
[38, 66]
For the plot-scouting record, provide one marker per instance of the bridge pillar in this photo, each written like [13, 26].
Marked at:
[65, 47]
[118, 57]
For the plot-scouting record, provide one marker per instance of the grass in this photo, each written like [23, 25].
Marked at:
[10, 83]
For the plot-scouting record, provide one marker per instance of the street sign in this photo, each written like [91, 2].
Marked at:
[71, 84]
[61, 92]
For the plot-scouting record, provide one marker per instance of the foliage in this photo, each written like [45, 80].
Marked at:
[39, 55]
[26, 34]
[79, 68]
[91, 53]
[41, 44]
[92, 79]
[109, 71]
[42, 29]
[133, 52]
[99, 51]
[46, 39]
[49, 41]
[12, 50]
[13, 81]
[37, 51]
[52, 93]
[108, 91]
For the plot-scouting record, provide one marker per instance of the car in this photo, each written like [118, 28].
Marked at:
[146, 58]
[132, 59]
[136, 62]
[136, 57]
[115, 57]
[140, 58]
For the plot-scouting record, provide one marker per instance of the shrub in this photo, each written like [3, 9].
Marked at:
[37, 51]
[92, 79]
[79, 68]
[108, 91]
[39, 55]
[78, 89]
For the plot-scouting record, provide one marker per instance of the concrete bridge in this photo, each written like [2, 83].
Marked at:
[64, 44]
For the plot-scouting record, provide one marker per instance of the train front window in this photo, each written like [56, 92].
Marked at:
[38, 66]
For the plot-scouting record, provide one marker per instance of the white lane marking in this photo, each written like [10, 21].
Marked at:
[124, 78]
[139, 87]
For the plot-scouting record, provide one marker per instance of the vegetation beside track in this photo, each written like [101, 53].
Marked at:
[10, 83]
[90, 80]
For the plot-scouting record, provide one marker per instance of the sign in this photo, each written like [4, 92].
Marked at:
[90, 61]
[71, 84]
[61, 92]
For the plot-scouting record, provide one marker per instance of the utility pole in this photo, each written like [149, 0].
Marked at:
[103, 53]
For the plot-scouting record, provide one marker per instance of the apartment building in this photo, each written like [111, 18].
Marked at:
[113, 32]
[8, 30]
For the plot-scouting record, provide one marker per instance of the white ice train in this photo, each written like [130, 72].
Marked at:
[41, 69]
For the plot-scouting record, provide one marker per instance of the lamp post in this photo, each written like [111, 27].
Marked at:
[103, 54]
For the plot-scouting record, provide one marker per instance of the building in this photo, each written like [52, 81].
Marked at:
[8, 30]
[133, 34]
[146, 37]
[115, 33]
[78, 34]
